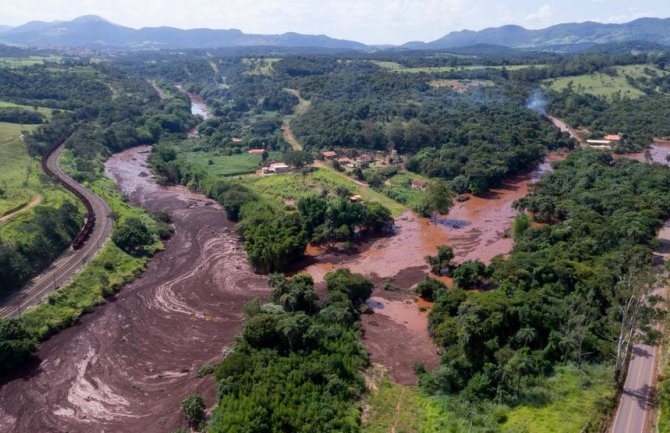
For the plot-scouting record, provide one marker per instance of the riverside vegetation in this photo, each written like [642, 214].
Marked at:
[522, 339]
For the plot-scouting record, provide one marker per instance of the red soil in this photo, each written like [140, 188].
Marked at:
[127, 366]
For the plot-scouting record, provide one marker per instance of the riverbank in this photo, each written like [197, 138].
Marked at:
[127, 367]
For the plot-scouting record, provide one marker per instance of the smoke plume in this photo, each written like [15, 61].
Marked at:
[538, 102]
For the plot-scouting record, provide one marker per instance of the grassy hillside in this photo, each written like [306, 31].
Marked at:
[288, 188]
[606, 85]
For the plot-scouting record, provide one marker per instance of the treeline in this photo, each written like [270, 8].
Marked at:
[275, 238]
[298, 364]
[640, 120]
[42, 239]
[561, 295]
[20, 115]
[44, 86]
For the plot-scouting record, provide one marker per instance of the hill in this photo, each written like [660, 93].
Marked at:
[654, 30]
[91, 31]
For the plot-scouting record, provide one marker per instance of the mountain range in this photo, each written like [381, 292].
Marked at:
[91, 31]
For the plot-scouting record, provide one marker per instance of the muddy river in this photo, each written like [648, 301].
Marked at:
[127, 366]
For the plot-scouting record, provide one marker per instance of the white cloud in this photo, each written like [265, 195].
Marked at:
[542, 14]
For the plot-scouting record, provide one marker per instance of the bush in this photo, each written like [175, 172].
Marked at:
[470, 274]
[193, 408]
[428, 288]
[355, 286]
[132, 236]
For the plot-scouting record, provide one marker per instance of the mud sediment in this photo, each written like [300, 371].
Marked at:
[127, 366]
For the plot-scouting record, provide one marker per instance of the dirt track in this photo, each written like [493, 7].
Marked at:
[126, 367]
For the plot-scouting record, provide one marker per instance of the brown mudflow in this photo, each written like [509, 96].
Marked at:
[126, 367]
[396, 335]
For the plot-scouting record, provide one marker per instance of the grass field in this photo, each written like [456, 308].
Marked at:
[570, 402]
[221, 165]
[45, 111]
[397, 67]
[259, 66]
[21, 178]
[15, 62]
[600, 84]
[400, 189]
[289, 187]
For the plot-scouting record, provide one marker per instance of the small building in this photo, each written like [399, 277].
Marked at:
[356, 198]
[419, 184]
[265, 170]
[329, 154]
[279, 167]
[256, 151]
[613, 137]
[236, 139]
[599, 144]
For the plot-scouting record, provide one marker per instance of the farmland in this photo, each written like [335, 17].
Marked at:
[607, 85]
[397, 67]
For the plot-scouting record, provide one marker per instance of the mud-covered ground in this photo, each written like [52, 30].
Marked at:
[127, 366]
[396, 334]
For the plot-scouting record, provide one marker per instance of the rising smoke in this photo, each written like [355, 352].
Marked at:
[537, 102]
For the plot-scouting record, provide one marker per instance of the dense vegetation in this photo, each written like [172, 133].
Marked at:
[275, 238]
[558, 297]
[297, 366]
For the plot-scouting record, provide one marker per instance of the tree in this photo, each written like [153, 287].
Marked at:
[295, 293]
[521, 223]
[470, 274]
[635, 310]
[441, 264]
[193, 408]
[132, 235]
[355, 286]
[298, 158]
[437, 200]
[16, 344]
[428, 288]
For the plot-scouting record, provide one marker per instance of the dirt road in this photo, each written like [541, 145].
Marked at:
[65, 267]
[127, 367]
[560, 124]
[35, 201]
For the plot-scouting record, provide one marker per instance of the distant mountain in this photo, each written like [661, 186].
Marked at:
[91, 31]
[654, 30]
[5, 28]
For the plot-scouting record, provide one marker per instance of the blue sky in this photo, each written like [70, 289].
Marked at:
[369, 21]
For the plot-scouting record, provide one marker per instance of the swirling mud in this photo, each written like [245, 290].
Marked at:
[127, 366]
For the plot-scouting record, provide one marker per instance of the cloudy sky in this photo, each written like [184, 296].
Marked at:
[369, 21]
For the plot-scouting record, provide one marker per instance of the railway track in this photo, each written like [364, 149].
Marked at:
[84, 247]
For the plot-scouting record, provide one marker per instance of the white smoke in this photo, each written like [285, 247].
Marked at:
[537, 102]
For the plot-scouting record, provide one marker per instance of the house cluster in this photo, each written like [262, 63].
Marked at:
[358, 161]
[607, 142]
